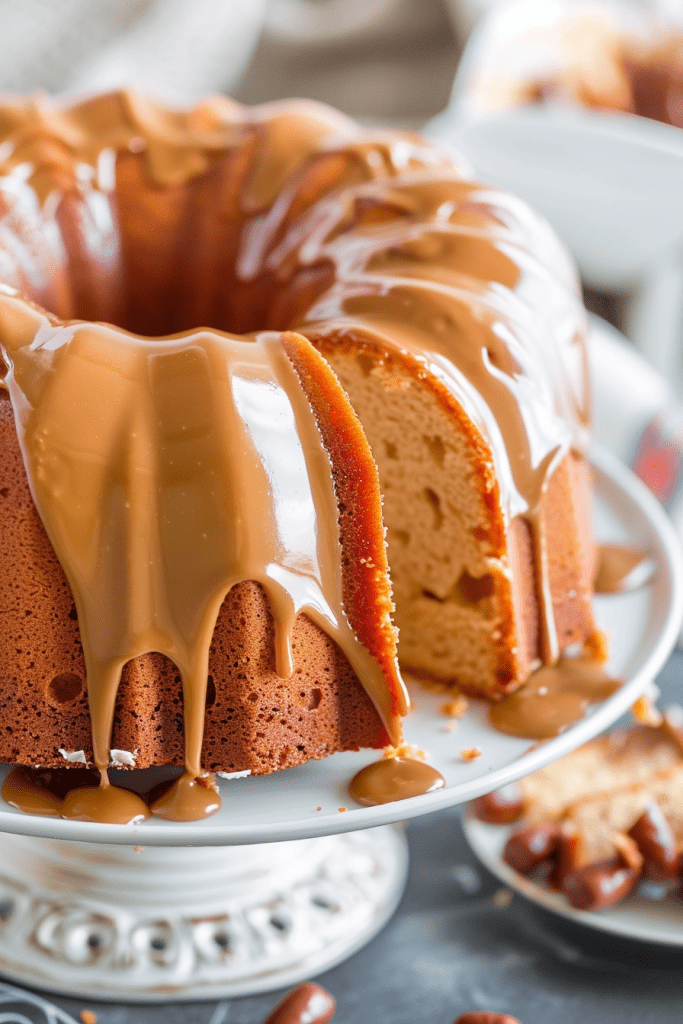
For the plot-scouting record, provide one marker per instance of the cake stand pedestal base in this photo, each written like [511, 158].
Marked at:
[157, 923]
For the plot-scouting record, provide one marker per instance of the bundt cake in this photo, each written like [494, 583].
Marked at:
[452, 318]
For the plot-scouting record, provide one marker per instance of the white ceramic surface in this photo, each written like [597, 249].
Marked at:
[637, 917]
[643, 627]
[153, 925]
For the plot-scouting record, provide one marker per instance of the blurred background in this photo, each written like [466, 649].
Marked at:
[378, 59]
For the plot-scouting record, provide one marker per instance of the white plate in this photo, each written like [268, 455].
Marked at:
[642, 626]
[637, 917]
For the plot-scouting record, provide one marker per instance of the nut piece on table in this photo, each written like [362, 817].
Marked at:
[306, 1004]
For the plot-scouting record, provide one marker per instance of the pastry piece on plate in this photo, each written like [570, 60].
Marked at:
[601, 818]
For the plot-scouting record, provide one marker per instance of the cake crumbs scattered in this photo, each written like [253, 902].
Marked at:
[455, 708]
[597, 646]
[139, 849]
[470, 753]
[405, 750]
[318, 808]
[88, 1017]
[645, 712]
[502, 899]
[341, 809]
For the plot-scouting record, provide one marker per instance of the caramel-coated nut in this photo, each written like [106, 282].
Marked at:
[656, 841]
[569, 856]
[501, 807]
[305, 1004]
[529, 847]
[477, 1017]
[599, 885]
[627, 848]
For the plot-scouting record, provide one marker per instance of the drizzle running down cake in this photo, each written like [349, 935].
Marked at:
[451, 316]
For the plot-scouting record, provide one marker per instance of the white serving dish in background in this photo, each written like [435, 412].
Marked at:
[609, 183]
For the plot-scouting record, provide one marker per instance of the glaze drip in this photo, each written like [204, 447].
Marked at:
[165, 471]
[554, 697]
[394, 778]
[72, 793]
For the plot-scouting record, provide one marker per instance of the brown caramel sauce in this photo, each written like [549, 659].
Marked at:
[75, 793]
[553, 698]
[187, 799]
[394, 778]
[620, 568]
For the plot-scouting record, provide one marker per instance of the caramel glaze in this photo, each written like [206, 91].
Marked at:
[139, 452]
[333, 230]
[437, 299]
[553, 698]
[68, 793]
[394, 778]
[618, 568]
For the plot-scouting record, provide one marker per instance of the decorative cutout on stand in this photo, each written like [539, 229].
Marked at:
[138, 926]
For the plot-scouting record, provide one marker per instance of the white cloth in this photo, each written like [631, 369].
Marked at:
[381, 59]
[177, 49]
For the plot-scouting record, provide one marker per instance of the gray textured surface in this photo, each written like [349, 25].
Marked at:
[450, 948]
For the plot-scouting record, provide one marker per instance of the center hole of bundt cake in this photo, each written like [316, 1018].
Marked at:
[166, 280]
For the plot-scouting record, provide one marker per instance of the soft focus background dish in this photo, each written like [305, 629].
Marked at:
[642, 626]
[609, 183]
[636, 917]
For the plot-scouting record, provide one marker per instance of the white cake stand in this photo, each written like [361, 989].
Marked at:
[289, 878]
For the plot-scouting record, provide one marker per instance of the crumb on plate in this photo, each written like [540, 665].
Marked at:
[455, 708]
[405, 750]
[470, 753]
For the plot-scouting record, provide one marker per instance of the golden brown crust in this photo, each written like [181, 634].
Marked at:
[367, 592]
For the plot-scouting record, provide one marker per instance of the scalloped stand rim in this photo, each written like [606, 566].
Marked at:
[94, 921]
